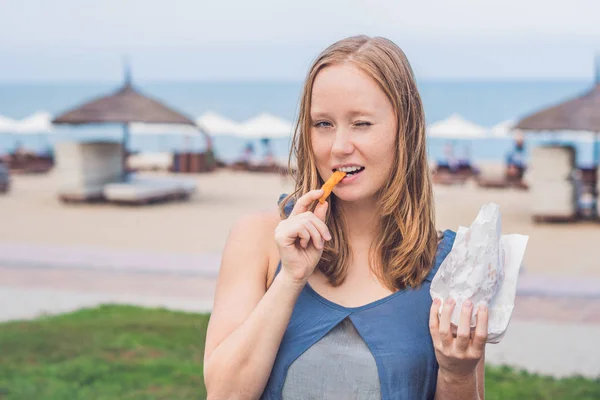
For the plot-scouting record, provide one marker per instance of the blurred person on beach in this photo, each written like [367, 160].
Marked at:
[450, 160]
[331, 300]
[269, 158]
[248, 153]
[515, 160]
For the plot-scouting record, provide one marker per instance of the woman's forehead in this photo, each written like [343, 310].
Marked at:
[348, 88]
[343, 78]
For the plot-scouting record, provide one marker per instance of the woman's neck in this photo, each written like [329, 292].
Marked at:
[361, 219]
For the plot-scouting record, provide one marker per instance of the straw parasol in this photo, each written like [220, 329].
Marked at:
[125, 106]
[578, 114]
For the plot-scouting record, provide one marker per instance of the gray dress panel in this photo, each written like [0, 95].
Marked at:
[338, 366]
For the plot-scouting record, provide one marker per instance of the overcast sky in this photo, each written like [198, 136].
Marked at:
[75, 40]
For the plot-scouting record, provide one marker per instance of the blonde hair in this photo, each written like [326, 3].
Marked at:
[404, 248]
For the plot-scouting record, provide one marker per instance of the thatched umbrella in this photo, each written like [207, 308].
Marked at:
[581, 113]
[124, 106]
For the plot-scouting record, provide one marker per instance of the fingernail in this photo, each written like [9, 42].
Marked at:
[468, 304]
[437, 302]
[328, 237]
[450, 301]
[482, 308]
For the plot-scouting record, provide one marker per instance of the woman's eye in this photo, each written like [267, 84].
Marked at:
[322, 124]
[363, 123]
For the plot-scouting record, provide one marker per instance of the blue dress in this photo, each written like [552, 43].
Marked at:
[395, 329]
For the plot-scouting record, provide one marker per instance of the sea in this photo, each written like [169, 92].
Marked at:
[486, 103]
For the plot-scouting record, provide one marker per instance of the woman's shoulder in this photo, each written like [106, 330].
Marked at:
[258, 220]
[256, 228]
[253, 233]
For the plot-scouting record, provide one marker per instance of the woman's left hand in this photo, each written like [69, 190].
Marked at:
[458, 354]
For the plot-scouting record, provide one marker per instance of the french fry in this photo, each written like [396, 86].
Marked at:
[331, 182]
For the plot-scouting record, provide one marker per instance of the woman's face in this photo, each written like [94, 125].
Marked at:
[353, 129]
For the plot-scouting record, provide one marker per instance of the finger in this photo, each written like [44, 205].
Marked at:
[434, 322]
[303, 203]
[319, 224]
[304, 236]
[463, 334]
[445, 329]
[321, 210]
[317, 240]
[481, 328]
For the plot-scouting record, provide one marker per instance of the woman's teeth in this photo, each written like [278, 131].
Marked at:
[350, 170]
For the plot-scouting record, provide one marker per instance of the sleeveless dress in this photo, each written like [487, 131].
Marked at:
[381, 350]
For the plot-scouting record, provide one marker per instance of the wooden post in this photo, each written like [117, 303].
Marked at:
[125, 150]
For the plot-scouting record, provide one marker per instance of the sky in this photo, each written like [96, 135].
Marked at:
[199, 40]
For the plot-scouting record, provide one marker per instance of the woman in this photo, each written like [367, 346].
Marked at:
[332, 301]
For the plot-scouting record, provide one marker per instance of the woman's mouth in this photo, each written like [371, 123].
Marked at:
[351, 172]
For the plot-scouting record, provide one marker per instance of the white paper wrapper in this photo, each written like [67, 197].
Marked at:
[483, 266]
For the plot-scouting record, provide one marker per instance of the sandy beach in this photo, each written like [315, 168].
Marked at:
[32, 214]
[57, 258]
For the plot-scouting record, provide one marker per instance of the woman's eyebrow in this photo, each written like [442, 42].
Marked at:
[362, 113]
[351, 114]
[319, 114]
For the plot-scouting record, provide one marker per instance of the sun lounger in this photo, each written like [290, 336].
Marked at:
[501, 183]
[81, 194]
[146, 190]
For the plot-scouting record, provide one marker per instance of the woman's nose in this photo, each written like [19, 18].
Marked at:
[342, 144]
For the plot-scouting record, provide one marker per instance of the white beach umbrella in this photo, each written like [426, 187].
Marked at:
[218, 125]
[266, 126]
[456, 127]
[163, 131]
[7, 125]
[503, 129]
[38, 123]
[139, 128]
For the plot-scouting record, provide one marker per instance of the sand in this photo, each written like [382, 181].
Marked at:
[32, 214]
[31, 217]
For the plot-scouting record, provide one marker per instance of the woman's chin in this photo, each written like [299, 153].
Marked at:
[348, 196]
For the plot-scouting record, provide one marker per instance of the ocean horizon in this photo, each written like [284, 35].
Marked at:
[484, 102]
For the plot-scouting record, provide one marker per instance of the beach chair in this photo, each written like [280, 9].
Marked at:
[145, 190]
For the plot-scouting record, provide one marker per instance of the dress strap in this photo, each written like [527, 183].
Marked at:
[289, 206]
[443, 250]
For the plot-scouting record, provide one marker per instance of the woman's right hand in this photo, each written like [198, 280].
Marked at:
[301, 237]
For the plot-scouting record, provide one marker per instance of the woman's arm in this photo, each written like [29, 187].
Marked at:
[462, 358]
[248, 321]
[469, 387]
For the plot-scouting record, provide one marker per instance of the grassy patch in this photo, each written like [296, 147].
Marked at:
[131, 353]
[506, 383]
[109, 352]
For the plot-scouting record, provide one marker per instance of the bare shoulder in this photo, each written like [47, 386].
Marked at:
[258, 220]
[252, 238]
[256, 227]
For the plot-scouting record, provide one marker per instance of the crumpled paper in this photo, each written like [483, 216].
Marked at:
[482, 266]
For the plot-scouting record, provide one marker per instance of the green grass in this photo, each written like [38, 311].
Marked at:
[121, 352]
[110, 352]
[506, 383]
